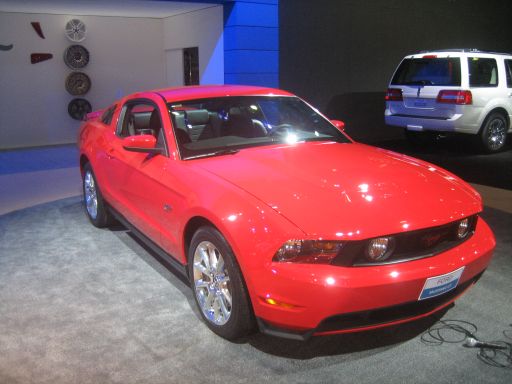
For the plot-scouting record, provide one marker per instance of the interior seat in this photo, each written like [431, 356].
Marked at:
[198, 124]
[243, 126]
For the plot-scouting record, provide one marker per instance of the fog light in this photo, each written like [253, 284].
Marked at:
[380, 249]
[463, 228]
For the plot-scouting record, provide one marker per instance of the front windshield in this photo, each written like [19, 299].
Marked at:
[223, 125]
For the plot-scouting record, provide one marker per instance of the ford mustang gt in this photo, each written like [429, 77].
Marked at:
[279, 220]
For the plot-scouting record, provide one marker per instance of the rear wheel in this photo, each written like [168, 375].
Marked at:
[218, 286]
[494, 133]
[95, 206]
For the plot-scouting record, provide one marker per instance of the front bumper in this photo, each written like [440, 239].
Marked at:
[324, 299]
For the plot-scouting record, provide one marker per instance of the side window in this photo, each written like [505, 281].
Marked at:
[106, 118]
[482, 72]
[508, 70]
[139, 118]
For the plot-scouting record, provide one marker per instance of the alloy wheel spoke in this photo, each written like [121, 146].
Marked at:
[223, 279]
[203, 252]
[223, 307]
[227, 296]
[201, 284]
[212, 256]
[209, 300]
[201, 268]
[219, 267]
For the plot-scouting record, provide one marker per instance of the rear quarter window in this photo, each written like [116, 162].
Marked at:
[428, 71]
[483, 72]
[106, 118]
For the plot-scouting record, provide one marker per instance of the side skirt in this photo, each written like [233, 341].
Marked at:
[164, 257]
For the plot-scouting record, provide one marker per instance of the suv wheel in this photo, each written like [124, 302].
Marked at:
[494, 133]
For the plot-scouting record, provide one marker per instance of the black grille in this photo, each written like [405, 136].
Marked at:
[391, 314]
[408, 245]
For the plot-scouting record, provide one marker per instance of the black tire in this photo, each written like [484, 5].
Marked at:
[420, 139]
[493, 134]
[213, 289]
[97, 212]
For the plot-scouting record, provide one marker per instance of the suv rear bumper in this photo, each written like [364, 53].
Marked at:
[458, 123]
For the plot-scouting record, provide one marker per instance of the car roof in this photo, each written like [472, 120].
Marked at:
[210, 91]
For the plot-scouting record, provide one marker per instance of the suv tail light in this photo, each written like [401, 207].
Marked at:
[394, 94]
[455, 97]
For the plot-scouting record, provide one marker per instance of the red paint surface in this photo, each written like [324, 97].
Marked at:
[261, 197]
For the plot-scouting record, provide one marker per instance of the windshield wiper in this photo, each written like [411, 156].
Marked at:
[220, 152]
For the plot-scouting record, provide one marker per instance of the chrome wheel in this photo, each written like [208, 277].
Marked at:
[212, 285]
[496, 134]
[91, 197]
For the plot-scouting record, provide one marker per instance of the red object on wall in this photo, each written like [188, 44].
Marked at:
[38, 29]
[39, 57]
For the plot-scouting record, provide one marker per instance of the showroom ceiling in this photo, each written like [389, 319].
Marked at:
[125, 8]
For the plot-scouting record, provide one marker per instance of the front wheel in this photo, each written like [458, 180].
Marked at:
[494, 133]
[95, 206]
[218, 286]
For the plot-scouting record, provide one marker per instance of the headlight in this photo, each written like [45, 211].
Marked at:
[308, 251]
[463, 228]
[380, 249]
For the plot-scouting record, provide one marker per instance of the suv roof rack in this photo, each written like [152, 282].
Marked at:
[464, 50]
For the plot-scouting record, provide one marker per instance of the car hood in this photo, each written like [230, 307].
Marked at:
[334, 190]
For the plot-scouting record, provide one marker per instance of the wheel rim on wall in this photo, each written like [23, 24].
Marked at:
[78, 83]
[75, 30]
[76, 56]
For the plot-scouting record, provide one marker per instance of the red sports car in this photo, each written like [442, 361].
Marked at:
[278, 219]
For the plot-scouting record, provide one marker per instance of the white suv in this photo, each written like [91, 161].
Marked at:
[456, 90]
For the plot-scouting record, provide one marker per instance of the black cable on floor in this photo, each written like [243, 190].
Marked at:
[458, 331]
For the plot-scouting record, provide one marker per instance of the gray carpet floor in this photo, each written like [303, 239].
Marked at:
[84, 305]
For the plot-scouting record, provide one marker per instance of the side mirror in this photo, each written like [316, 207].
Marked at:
[339, 124]
[141, 143]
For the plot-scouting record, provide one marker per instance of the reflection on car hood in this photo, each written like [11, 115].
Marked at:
[334, 190]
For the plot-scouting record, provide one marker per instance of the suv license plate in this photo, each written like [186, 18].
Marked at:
[435, 286]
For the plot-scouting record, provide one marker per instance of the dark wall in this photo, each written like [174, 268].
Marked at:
[340, 54]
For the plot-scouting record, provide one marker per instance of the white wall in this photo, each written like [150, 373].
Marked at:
[203, 29]
[125, 56]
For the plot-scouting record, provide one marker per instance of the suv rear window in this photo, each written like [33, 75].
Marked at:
[428, 71]
[482, 72]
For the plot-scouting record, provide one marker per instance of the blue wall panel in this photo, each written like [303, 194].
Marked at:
[262, 79]
[250, 37]
[251, 42]
[250, 61]
[255, 14]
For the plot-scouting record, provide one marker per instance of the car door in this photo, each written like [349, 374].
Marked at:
[135, 177]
